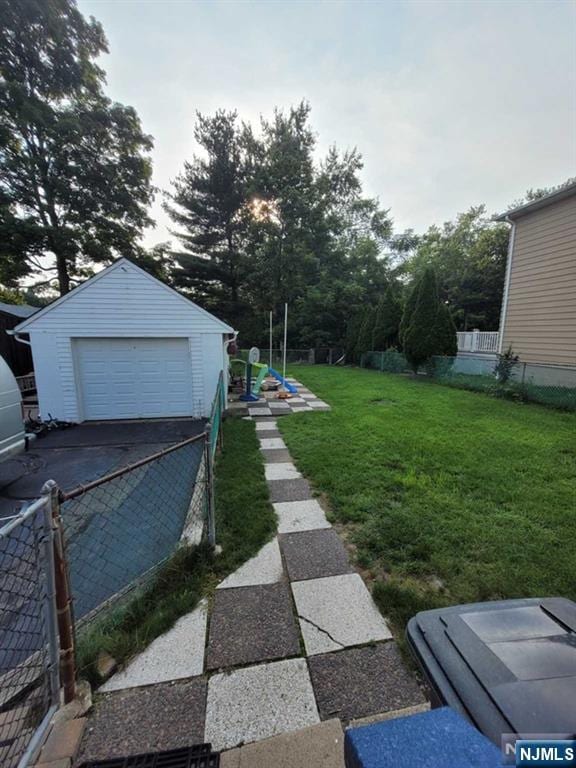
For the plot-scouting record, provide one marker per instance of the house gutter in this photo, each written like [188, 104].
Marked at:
[17, 336]
[504, 309]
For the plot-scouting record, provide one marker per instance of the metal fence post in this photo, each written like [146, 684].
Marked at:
[63, 598]
[51, 610]
[210, 492]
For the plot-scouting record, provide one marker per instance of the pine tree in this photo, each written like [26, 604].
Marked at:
[387, 320]
[446, 330]
[366, 333]
[351, 338]
[427, 328]
[209, 206]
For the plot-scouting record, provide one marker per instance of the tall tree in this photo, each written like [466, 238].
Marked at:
[210, 204]
[427, 328]
[469, 257]
[365, 341]
[75, 176]
[387, 319]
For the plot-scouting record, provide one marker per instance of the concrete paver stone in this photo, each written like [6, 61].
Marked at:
[63, 741]
[266, 426]
[251, 624]
[302, 409]
[259, 411]
[289, 490]
[257, 702]
[279, 455]
[294, 516]
[263, 568]
[281, 471]
[174, 655]
[161, 717]
[318, 746]
[363, 682]
[314, 554]
[272, 443]
[337, 612]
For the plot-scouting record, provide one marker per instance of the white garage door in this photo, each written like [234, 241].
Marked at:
[134, 378]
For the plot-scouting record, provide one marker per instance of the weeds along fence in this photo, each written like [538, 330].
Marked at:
[69, 557]
[550, 385]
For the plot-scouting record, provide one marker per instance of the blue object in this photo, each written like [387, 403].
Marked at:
[436, 739]
[289, 387]
[248, 397]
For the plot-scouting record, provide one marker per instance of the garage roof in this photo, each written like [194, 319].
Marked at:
[123, 262]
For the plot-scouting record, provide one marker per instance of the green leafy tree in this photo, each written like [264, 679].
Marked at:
[75, 176]
[387, 319]
[427, 328]
[469, 257]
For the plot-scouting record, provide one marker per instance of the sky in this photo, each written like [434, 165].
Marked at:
[451, 104]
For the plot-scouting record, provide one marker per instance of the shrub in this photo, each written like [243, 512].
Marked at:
[427, 328]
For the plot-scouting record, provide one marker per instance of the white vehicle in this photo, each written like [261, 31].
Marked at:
[12, 434]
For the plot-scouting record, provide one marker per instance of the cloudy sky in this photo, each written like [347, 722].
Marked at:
[451, 103]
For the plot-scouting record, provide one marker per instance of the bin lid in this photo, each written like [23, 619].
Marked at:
[509, 666]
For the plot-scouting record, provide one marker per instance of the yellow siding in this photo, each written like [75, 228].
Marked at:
[540, 321]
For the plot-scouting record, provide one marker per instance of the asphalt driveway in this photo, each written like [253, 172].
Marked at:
[84, 453]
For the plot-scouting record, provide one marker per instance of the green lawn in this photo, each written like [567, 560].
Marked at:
[448, 496]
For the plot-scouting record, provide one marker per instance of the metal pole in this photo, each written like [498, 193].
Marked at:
[51, 612]
[271, 364]
[63, 599]
[285, 338]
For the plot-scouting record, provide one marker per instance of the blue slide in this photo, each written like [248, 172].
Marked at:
[286, 384]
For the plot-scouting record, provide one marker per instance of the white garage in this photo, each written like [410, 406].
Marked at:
[123, 345]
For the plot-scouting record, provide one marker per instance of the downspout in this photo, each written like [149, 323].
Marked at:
[16, 335]
[507, 279]
[225, 373]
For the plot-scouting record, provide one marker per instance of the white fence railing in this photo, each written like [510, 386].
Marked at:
[478, 341]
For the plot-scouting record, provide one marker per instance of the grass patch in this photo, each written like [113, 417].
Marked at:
[245, 520]
[450, 497]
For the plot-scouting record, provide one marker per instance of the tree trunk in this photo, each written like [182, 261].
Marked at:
[63, 276]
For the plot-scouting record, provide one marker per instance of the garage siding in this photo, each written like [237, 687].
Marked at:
[124, 303]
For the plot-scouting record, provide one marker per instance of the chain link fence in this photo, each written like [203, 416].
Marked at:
[29, 653]
[310, 356]
[122, 528]
[550, 385]
[68, 557]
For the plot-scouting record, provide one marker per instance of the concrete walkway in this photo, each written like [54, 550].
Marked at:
[293, 639]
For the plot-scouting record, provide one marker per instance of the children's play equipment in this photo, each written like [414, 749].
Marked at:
[253, 388]
[286, 384]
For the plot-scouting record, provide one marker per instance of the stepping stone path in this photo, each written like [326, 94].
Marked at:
[292, 639]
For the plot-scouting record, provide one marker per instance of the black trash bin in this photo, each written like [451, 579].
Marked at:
[509, 667]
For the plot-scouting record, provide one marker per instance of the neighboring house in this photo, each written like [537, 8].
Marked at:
[18, 356]
[123, 345]
[539, 306]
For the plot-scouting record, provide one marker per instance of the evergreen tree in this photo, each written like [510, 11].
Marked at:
[446, 332]
[427, 328]
[387, 319]
[351, 337]
[366, 333]
[209, 204]
[75, 176]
